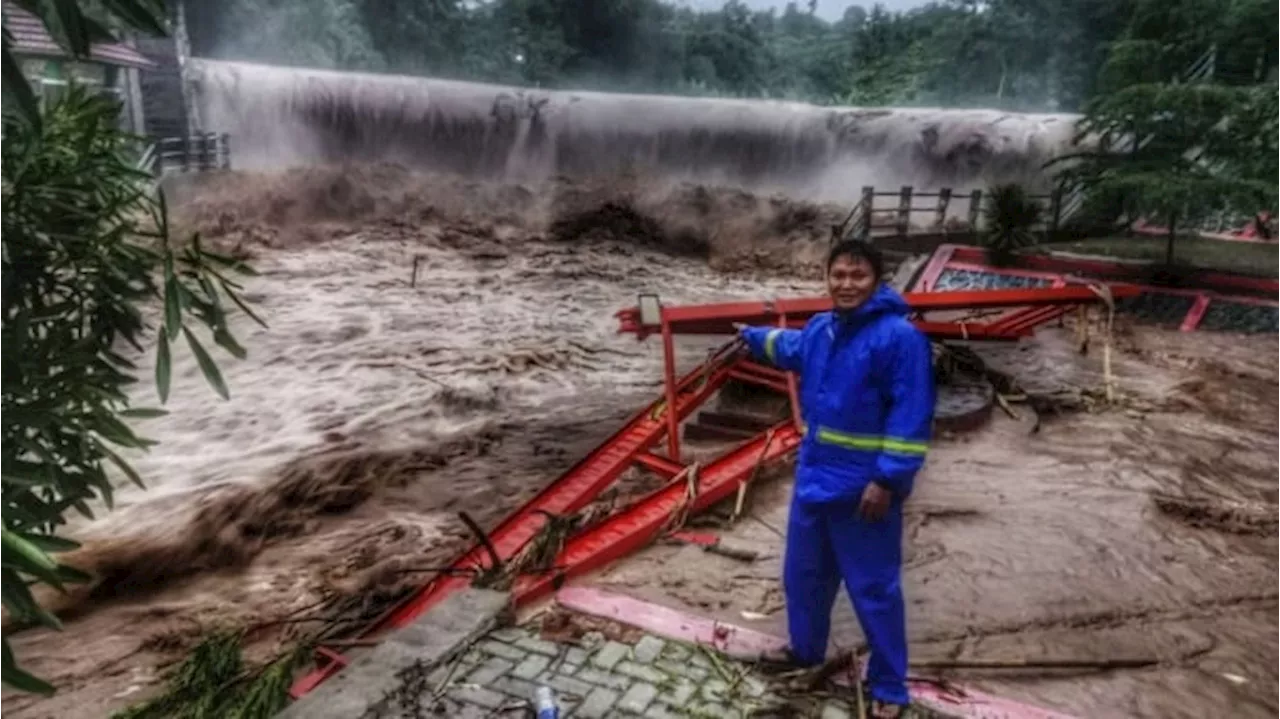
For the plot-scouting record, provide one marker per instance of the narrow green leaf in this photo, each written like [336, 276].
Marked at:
[241, 304]
[113, 430]
[50, 543]
[162, 214]
[108, 493]
[124, 466]
[17, 597]
[143, 413]
[65, 21]
[71, 575]
[172, 299]
[227, 342]
[22, 472]
[163, 368]
[22, 680]
[120, 361]
[19, 554]
[17, 91]
[207, 365]
[83, 509]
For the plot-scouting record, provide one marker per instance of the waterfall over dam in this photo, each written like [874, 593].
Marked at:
[282, 116]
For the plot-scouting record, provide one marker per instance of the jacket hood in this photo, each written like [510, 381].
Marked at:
[884, 301]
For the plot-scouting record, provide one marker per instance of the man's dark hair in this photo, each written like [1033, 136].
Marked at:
[858, 250]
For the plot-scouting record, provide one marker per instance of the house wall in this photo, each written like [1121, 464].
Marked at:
[49, 78]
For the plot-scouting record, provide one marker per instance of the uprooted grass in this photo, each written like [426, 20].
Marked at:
[215, 683]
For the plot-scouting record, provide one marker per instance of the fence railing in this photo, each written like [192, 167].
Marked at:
[195, 153]
[897, 213]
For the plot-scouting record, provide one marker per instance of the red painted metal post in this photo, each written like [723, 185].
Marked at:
[669, 369]
[1196, 313]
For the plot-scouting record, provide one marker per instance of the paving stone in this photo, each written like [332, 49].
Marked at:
[698, 659]
[610, 654]
[598, 704]
[576, 655]
[647, 649]
[638, 698]
[834, 710]
[471, 694]
[532, 666]
[566, 669]
[704, 710]
[677, 669]
[501, 649]
[441, 673]
[677, 652]
[714, 690]
[641, 671]
[487, 672]
[538, 646]
[658, 710]
[518, 688]
[508, 634]
[454, 710]
[567, 684]
[592, 675]
[678, 693]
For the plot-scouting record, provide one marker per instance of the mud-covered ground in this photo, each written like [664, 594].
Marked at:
[371, 411]
[1145, 532]
[374, 409]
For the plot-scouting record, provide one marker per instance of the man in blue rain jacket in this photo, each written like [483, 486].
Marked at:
[866, 400]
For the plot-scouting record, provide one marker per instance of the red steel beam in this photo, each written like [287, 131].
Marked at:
[935, 330]
[572, 491]
[719, 318]
[1027, 318]
[776, 385]
[658, 464]
[638, 525]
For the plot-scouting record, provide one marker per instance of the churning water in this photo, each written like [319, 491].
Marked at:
[289, 116]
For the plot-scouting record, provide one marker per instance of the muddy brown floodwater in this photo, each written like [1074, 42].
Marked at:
[372, 410]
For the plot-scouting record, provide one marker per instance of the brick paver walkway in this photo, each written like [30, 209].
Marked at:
[653, 678]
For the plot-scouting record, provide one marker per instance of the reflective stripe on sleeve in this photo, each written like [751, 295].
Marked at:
[770, 345]
[871, 443]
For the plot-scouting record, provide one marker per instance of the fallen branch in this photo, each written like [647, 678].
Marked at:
[496, 567]
[740, 553]
[1098, 664]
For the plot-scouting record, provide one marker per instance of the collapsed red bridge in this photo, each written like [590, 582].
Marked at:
[691, 488]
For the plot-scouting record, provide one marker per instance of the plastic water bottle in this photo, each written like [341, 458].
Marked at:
[544, 703]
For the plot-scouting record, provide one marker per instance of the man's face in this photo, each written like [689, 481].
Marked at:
[850, 282]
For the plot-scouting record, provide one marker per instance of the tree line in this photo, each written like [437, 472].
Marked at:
[1011, 54]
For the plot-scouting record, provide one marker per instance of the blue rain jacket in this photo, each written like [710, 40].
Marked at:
[866, 396]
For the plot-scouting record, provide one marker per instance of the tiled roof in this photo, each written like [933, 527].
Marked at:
[30, 38]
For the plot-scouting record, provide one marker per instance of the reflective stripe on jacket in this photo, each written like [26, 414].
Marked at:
[866, 396]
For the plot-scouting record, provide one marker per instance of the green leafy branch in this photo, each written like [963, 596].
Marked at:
[85, 247]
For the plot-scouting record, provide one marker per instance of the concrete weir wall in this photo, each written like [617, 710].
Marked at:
[368, 686]
[283, 116]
